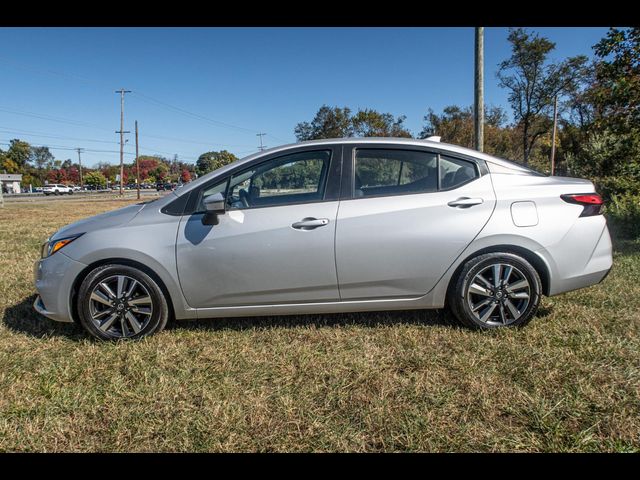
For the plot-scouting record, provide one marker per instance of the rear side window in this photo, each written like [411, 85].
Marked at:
[455, 172]
[394, 172]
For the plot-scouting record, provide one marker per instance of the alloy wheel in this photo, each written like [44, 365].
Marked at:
[120, 306]
[498, 294]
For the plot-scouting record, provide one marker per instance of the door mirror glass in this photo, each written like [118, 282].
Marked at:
[215, 204]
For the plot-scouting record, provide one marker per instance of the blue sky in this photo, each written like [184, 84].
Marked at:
[251, 79]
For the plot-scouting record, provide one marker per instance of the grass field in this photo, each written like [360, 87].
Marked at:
[402, 381]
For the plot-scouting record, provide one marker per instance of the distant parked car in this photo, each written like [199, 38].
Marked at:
[160, 186]
[56, 189]
[76, 188]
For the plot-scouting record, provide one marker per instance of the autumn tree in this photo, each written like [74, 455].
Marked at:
[95, 179]
[19, 153]
[210, 161]
[329, 122]
[371, 123]
[533, 82]
[41, 158]
[455, 125]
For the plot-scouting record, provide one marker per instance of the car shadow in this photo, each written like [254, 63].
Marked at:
[360, 319]
[22, 318]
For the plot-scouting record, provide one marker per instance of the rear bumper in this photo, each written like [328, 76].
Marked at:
[586, 269]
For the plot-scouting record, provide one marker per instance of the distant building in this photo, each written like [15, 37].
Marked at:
[10, 182]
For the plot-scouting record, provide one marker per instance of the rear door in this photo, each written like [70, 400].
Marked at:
[406, 214]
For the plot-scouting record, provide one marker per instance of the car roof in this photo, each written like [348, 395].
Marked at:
[444, 147]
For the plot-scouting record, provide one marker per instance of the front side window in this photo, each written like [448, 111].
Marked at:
[295, 178]
[394, 172]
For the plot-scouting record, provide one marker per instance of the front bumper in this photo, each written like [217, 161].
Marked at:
[54, 278]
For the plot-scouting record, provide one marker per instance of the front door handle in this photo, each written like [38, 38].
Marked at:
[310, 223]
[465, 202]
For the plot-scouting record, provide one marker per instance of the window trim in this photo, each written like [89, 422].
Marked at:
[349, 169]
[331, 188]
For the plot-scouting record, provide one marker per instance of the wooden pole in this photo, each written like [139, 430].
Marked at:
[122, 91]
[137, 166]
[553, 136]
[479, 90]
[80, 166]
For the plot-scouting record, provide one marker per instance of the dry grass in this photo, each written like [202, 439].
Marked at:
[404, 381]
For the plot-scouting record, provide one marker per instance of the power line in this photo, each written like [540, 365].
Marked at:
[22, 66]
[59, 137]
[52, 118]
[191, 114]
[92, 150]
[99, 85]
[65, 147]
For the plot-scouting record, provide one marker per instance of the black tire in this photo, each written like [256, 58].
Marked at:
[160, 310]
[459, 302]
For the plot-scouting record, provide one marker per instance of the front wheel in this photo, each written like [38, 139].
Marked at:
[121, 302]
[495, 290]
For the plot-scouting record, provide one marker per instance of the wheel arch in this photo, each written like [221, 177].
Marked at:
[73, 308]
[530, 256]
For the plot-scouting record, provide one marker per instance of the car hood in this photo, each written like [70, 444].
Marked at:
[102, 221]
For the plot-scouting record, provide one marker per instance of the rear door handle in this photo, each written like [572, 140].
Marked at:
[465, 202]
[310, 223]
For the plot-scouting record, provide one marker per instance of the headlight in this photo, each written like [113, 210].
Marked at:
[52, 246]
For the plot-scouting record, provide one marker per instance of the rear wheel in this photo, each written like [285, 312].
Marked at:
[495, 290]
[121, 302]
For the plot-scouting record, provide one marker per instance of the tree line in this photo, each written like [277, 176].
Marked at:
[38, 167]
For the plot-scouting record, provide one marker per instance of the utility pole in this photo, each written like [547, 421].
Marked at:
[261, 147]
[122, 91]
[478, 118]
[137, 166]
[553, 136]
[80, 164]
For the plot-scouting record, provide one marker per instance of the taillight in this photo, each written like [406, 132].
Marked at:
[592, 202]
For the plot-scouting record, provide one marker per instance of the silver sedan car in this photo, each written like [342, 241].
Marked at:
[341, 225]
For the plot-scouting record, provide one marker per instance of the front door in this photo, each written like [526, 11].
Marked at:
[275, 244]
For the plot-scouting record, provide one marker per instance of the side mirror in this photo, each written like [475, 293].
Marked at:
[215, 205]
